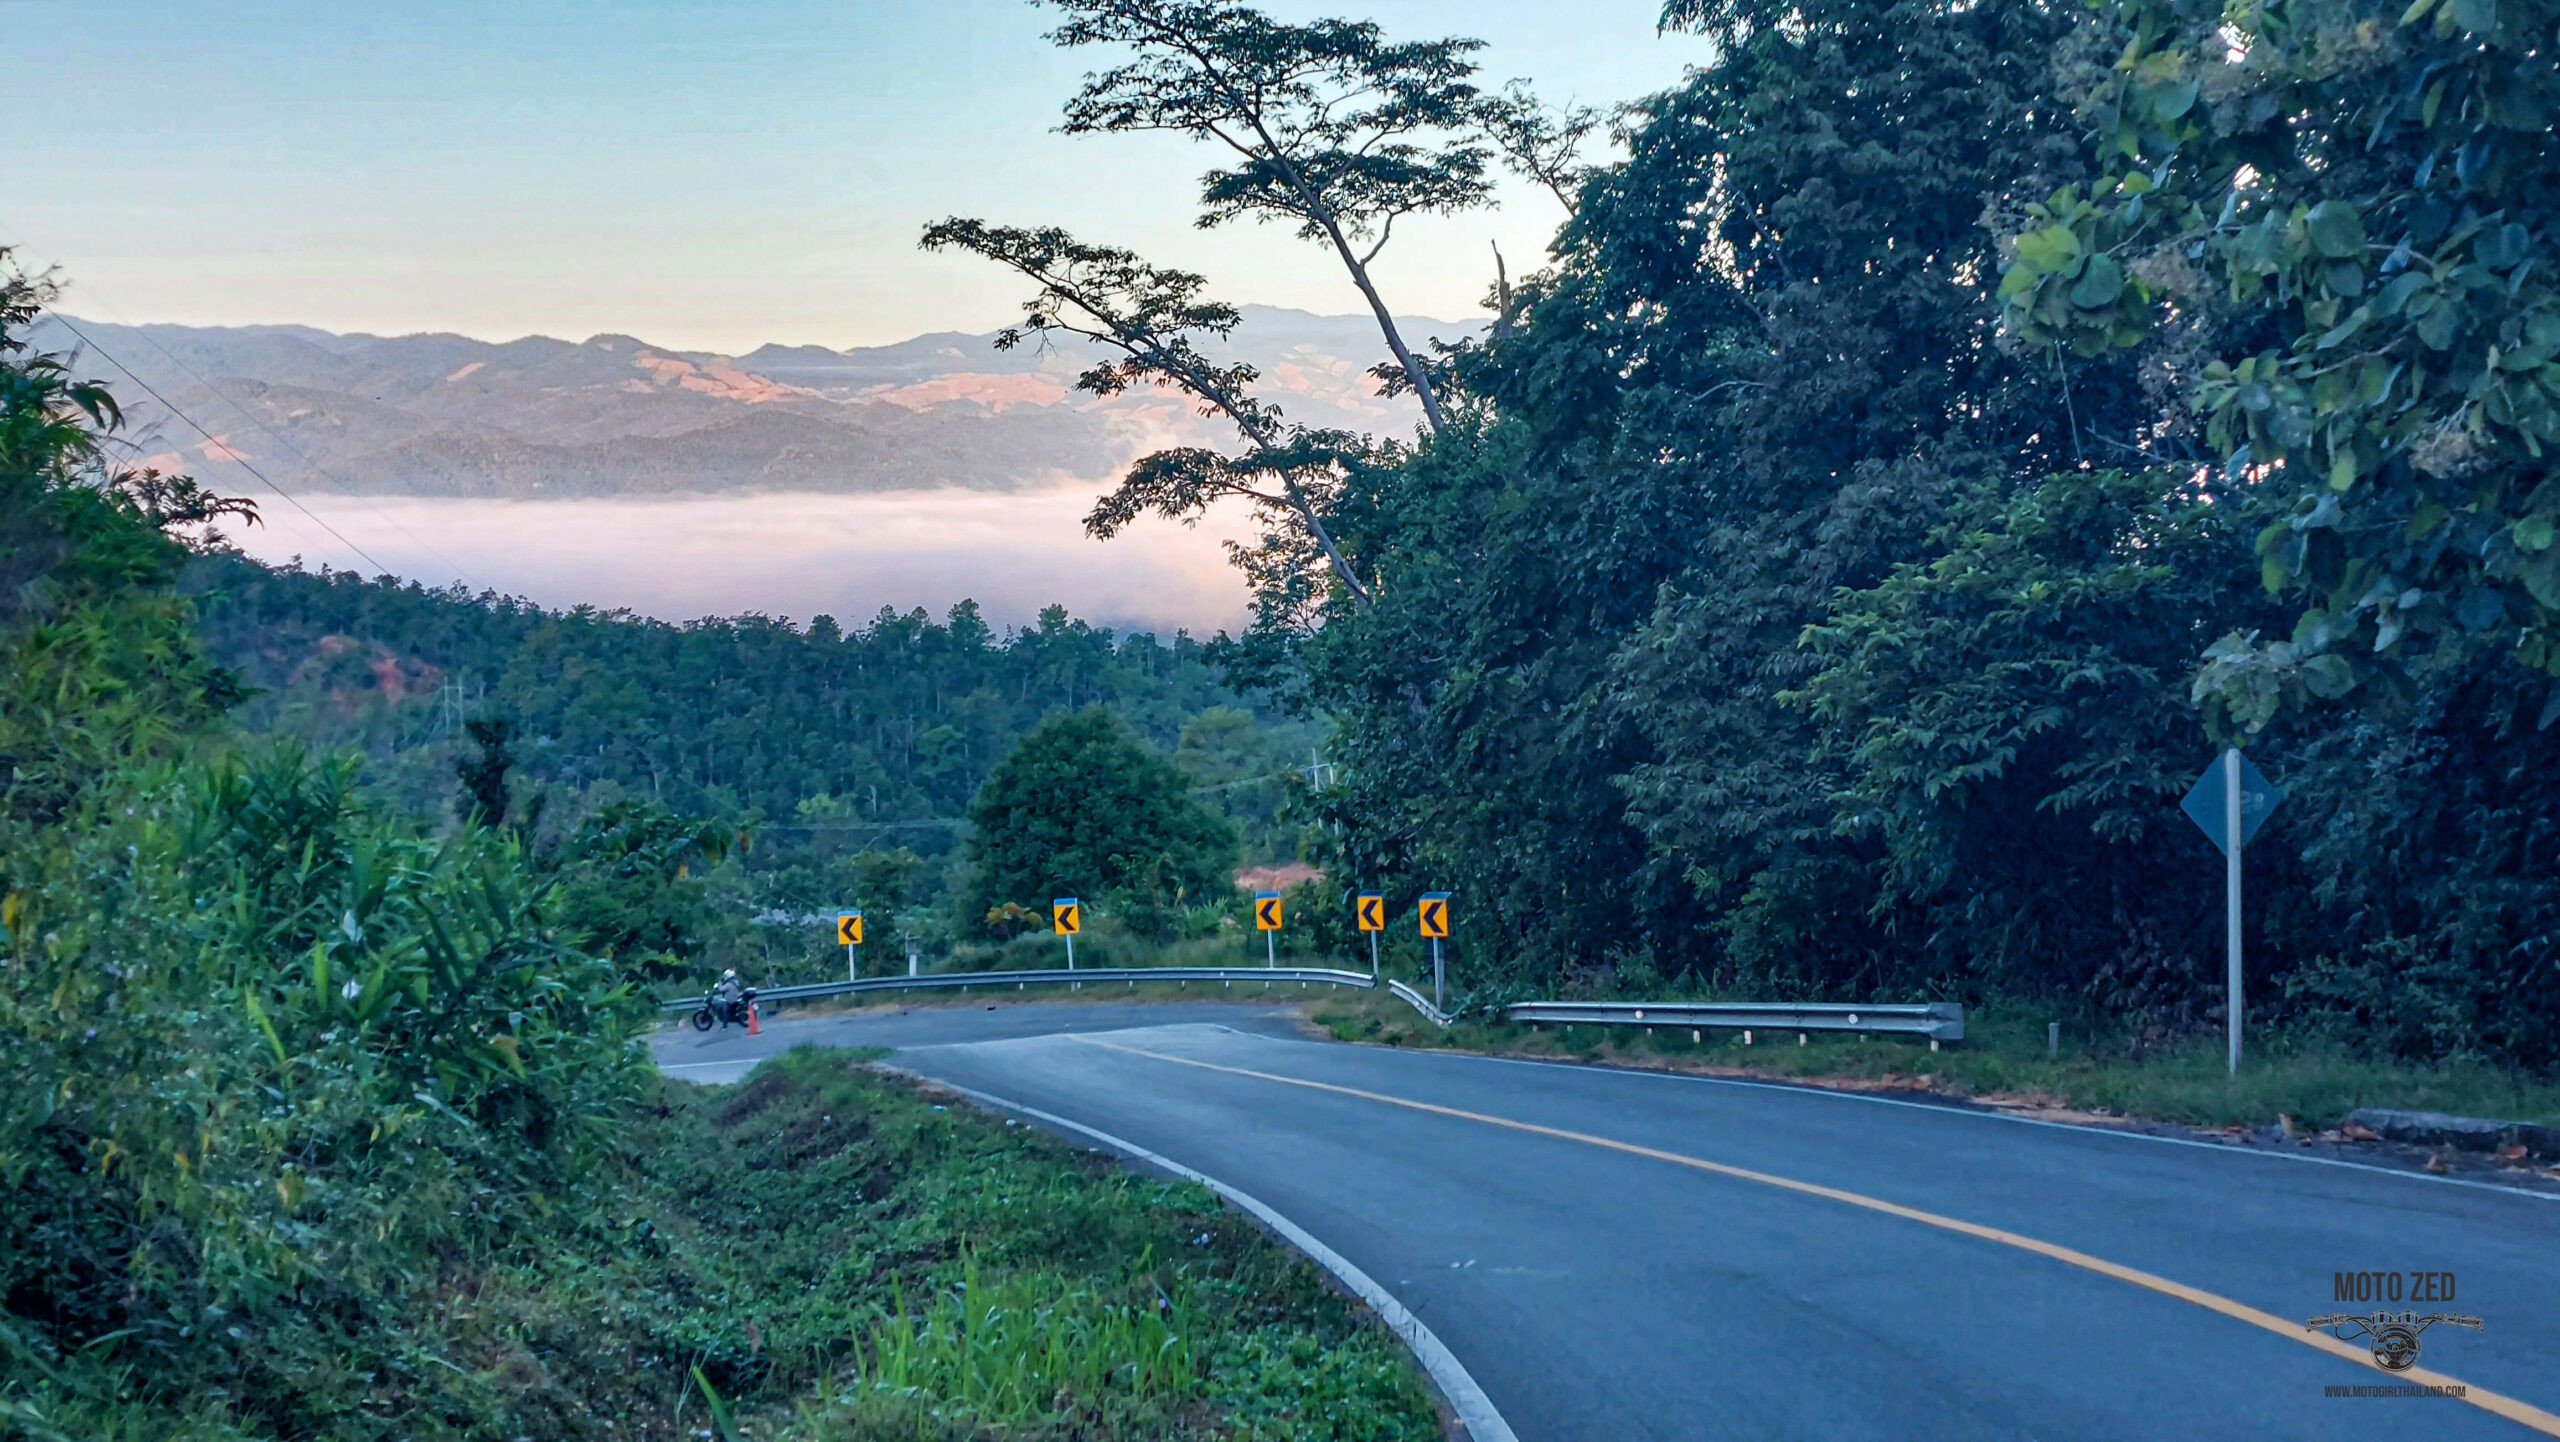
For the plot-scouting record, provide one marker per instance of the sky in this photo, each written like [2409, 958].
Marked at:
[704, 176]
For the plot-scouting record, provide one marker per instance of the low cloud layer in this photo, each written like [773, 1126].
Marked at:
[787, 554]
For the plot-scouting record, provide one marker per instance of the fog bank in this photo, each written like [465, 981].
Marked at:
[785, 554]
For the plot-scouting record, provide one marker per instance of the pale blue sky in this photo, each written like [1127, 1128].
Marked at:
[702, 175]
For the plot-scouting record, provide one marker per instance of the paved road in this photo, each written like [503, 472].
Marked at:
[1619, 1256]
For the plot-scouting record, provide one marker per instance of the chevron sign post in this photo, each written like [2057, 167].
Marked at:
[1371, 912]
[1266, 919]
[1434, 915]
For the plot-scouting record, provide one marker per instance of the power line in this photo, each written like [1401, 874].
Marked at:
[65, 322]
[198, 377]
[298, 454]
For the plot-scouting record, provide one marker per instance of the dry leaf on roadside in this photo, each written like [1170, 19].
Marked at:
[2359, 1132]
[2514, 1153]
[2435, 1163]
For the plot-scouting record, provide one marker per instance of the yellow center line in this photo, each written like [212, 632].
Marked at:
[2513, 1409]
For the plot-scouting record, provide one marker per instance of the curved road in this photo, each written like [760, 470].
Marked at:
[1618, 1255]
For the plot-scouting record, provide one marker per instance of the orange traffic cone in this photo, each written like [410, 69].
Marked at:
[754, 1028]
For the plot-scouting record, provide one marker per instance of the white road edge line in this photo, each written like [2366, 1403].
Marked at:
[1938, 1108]
[1475, 1410]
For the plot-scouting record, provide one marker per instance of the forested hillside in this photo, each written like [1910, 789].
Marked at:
[1932, 435]
[846, 758]
[322, 1118]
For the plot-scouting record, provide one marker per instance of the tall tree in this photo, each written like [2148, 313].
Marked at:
[1156, 326]
[2333, 220]
[1334, 128]
[1082, 808]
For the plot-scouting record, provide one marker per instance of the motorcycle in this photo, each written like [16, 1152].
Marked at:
[713, 1012]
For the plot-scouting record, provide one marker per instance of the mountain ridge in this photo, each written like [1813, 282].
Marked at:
[441, 414]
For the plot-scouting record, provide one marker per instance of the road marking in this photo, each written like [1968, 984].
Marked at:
[1944, 1109]
[2497, 1404]
[1482, 1420]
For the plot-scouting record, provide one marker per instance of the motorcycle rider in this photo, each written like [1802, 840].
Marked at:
[728, 997]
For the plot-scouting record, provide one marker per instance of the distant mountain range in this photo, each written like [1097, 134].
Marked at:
[445, 415]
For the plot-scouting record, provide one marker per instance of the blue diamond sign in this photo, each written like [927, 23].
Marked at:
[2204, 803]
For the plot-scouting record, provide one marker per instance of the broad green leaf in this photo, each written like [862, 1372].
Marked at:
[2099, 284]
[2328, 677]
[2049, 249]
[2335, 230]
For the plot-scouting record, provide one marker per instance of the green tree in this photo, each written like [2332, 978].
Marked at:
[1327, 126]
[631, 878]
[2011, 727]
[1332, 127]
[1082, 808]
[1759, 371]
[2333, 220]
[100, 666]
[485, 793]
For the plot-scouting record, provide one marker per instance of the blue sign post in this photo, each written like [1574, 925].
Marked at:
[2230, 802]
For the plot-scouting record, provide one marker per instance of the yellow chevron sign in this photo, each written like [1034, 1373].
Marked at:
[1065, 916]
[849, 929]
[1435, 915]
[1266, 911]
[1371, 911]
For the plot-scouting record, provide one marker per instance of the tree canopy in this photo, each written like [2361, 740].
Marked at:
[1083, 808]
[1935, 431]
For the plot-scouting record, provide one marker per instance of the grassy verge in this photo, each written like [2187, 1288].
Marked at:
[820, 1252]
[2310, 1085]
[866, 1263]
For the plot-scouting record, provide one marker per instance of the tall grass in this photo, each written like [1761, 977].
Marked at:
[1008, 1349]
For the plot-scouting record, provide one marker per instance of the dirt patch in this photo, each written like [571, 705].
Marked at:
[753, 1099]
[1276, 878]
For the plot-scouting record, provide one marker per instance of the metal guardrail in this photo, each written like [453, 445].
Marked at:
[1419, 1002]
[1936, 1020]
[1081, 976]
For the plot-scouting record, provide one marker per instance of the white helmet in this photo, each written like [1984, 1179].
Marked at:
[730, 975]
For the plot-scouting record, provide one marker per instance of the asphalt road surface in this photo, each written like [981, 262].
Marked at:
[1616, 1256]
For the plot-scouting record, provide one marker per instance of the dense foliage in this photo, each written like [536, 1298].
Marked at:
[1083, 809]
[784, 770]
[902, 718]
[2335, 219]
[325, 1117]
[1938, 431]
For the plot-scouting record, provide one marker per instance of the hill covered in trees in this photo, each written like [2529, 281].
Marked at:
[323, 1118]
[1935, 432]
[847, 757]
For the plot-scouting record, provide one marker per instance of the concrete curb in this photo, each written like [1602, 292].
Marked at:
[2443, 1129]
